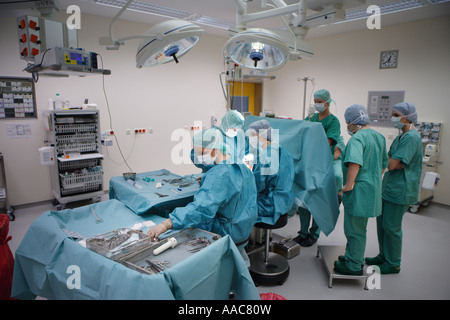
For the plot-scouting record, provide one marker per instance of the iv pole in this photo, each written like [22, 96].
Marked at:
[304, 92]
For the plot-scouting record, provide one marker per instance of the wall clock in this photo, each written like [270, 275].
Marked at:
[388, 59]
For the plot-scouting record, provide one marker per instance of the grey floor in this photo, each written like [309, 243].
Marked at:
[425, 261]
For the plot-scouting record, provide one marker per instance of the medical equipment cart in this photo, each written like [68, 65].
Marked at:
[6, 208]
[430, 132]
[76, 139]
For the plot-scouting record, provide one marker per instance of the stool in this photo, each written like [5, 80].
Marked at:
[268, 267]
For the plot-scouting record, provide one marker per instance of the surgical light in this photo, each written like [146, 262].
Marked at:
[167, 41]
[164, 42]
[257, 48]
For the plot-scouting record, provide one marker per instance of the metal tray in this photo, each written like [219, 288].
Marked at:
[107, 246]
[144, 261]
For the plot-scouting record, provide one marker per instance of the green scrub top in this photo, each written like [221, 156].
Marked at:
[331, 126]
[367, 148]
[402, 186]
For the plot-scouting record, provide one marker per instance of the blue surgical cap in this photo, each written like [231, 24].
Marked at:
[407, 110]
[211, 139]
[357, 114]
[263, 125]
[232, 119]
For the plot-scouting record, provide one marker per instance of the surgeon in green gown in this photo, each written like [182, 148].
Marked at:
[364, 161]
[332, 128]
[226, 200]
[400, 187]
[273, 171]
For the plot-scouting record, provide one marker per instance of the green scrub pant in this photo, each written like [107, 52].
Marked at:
[389, 229]
[305, 219]
[355, 230]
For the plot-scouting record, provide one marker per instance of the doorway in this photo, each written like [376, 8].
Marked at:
[246, 97]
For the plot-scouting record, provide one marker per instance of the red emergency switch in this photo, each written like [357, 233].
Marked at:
[24, 52]
[22, 24]
[23, 38]
[33, 25]
[34, 52]
[34, 38]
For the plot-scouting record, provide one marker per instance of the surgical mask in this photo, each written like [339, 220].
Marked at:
[320, 107]
[353, 132]
[397, 123]
[206, 159]
[231, 133]
[253, 141]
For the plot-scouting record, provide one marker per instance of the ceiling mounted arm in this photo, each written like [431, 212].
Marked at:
[163, 43]
[282, 9]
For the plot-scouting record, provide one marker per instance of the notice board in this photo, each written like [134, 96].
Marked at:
[17, 98]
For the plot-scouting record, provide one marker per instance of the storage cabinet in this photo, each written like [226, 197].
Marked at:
[76, 139]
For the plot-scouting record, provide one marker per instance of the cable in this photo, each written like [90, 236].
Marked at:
[35, 74]
[222, 86]
[110, 119]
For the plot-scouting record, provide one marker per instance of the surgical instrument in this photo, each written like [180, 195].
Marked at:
[161, 195]
[97, 219]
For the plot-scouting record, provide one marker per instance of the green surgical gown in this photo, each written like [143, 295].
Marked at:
[224, 204]
[402, 186]
[331, 126]
[367, 148]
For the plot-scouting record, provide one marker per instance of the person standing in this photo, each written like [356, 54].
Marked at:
[400, 187]
[365, 159]
[332, 128]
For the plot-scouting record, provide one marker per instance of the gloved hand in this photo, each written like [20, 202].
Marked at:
[154, 232]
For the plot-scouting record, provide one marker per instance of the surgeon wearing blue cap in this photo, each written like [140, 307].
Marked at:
[226, 200]
[400, 187]
[364, 161]
[273, 171]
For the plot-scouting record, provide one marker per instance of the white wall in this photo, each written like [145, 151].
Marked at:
[347, 65]
[164, 98]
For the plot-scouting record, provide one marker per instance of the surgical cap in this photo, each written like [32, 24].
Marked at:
[407, 110]
[323, 94]
[263, 125]
[232, 119]
[357, 114]
[211, 139]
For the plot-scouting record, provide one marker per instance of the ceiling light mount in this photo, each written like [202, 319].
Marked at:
[164, 42]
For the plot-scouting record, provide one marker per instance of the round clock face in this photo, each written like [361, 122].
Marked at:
[388, 59]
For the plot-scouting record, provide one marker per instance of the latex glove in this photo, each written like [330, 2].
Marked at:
[154, 232]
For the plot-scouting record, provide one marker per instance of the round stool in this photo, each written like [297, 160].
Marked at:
[269, 268]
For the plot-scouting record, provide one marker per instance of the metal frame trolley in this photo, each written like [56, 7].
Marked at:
[76, 139]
